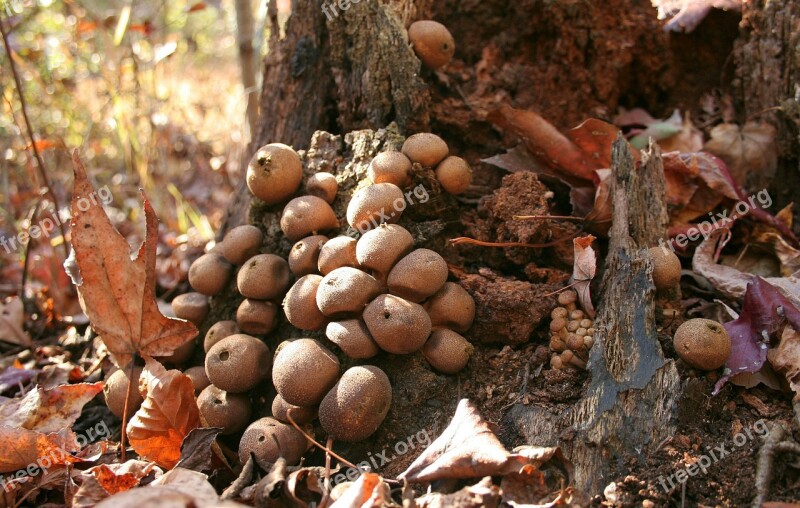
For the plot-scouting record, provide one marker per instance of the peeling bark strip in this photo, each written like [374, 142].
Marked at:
[629, 404]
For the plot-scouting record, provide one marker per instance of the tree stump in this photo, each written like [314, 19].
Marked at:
[628, 407]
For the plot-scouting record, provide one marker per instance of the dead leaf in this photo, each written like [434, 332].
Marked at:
[177, 488]
[23, 448]
[786, 358]
[12, 319]
[117, 293]
[167, 415]
[687, 14]
[196, 449]
[746, 150]
[49, 410]
[583, 271]
[482, 494]
[369, 491]
[105, 480]
[688, 139]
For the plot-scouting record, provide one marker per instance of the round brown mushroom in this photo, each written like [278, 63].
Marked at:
[238, 363]
[346, 290]
[115, 390]
[192, 307]
[425, 149]
[300, 415]
[432, 42]
[219, 331]
[397, 325]
[418, 275]
[380, 248]
[304, 256]
[451, 307]
[274, 173]
[305, 216]
[256, 317]
[336, 253]
[304, 371]
[702, 343]
[390, 167]
[300, 304]
[354, 408]
[374, 205]
[199, 378]
[263, 277]
[241, 243]
[455, 174]
[447, 351]
[322, 185]
[666, 267]
[267, 439]
[353, 338]
[210, 273]
[227, 411]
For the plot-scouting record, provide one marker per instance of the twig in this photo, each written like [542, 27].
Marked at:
[542, 217]
[318, 445]
[326, 495]
[26, 263]
[764, 465]
[36, 154]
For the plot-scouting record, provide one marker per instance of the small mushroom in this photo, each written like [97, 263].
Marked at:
[241, 243]
[390, 167]
[455, 174]
[228, 411]
[336, 253]
[447, 351]
[210, 273]
[267, 440]
[300, 304]
[451, 307]
[219, 331]
[346, 290]
[702, 343]
[238, 363]
[307, 215]
[352, 337]
[432, 42]
[374, 205]
[397, 325]
[418, 275]
[301, 415]
[263, 277]
[304, 371]
[322, 185]
[192, 307]
[425, 149]
[256, 317]
[354, 408]
[666, 267]
[381, 248]
[274, 173]
[304, 256]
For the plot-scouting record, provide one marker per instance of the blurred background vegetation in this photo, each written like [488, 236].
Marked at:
[151, 93]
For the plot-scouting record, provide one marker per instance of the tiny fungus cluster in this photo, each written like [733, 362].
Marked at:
[572, 333]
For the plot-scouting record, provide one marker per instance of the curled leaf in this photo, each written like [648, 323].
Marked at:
[583, 271]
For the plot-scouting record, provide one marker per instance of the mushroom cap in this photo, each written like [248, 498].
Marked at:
[192, 307]
[322, 185]
[455, 174]
[219, 331]
[352, 337]
[390, 167]
[256, 317]
[210, 273]
[263, 277]
[432, 42]
[375, 204]
[380, 248]
[702, 343]
[241, 243]
[304, 371]
[268, 439]
[397, 325]
[300, 304]
[199, 378]
[115, 390]
[451, 307]
[228, 411]
[304, 256]
[426, 149]
[354, 408]
[305, 216]
[274, 173]
[447, 351]
[301, 415]
[238, 363]
[346, 290]
[420, 274]
[666, 267]
[336, 253]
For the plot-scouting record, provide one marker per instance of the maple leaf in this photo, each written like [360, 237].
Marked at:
[118, 293]
[167, 415]
[747, 149]
[49, 410]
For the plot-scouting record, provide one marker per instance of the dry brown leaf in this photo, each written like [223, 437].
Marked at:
[482, 494]
[167, 415]
[583, 271]
[728, 280]
[369, 491]
[786, 359]
[748, 149]
[12, 318]
[106, 480]
[117, 293]
[179, 488]
[689, 139]
[49, 410]
[22, 448]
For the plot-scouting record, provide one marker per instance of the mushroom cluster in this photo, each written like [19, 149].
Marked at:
[366, 295]
[572, 333]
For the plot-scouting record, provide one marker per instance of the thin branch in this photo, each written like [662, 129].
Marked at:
[37, 155]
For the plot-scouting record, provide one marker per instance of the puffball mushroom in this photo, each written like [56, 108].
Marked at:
[228, 411]
[380, 248]
[210, 273]
[304, 371]
[192, 307]
[375, 204]
[304, 256]
[199, 378]
[354, 408]
[702, 343]
[451, 307]
[426, 149]
[455, 174]
[219, 331]
[115, 390]
[263, 277]
[336, 253]
[447, 351]
[301, 415]
[666, 267]
[256, 317]
[241, 243]
[352, 337]
[300, 304]
[418, 275]
[397, 325]
[322, 185]
[390, 167]
[346, 290]
[267, 439]
[432, 42]
[305, 216]
[274, 173]
[238, 363]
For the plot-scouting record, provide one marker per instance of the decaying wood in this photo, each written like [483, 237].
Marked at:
[629, 404]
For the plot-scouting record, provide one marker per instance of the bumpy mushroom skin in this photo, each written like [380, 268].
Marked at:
[374, 205]
[238, 363]
[390, 167]
[346, 290]
[274, 173]
[228, 411]
[336, 253]
[702, 343]
[432, 42]
[191, 307]
[263, 277]
[425, 149]
[451, 307]
[354, 408]
[304, 371]
[305, 216]
[381, 248]
[397, 325]
[241, 243]
[353, 338]
[210, 273]
[304, 256]
[300, 304]
[322, 185]
[268, 439]
[419, 275]
[447, 351]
